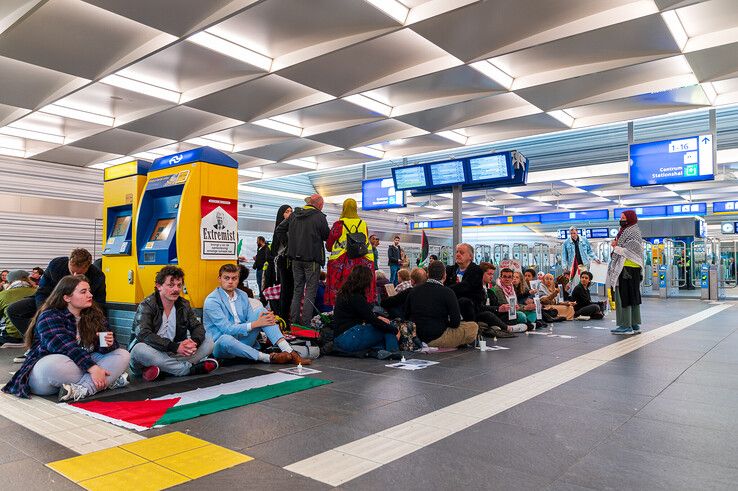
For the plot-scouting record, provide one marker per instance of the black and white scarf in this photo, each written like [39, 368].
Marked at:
[630, 246]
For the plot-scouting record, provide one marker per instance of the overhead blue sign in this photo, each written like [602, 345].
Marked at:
[380, 194]
[672, 161]
[689, 209]
[725, 207]
[568, 216]
[202, 154]
[517, 219]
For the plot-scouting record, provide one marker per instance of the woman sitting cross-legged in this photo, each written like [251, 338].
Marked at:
[356, 327]
[66, 355]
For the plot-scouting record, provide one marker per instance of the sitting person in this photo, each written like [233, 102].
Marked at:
[563, 281]
[435, 311]
[235, 326]
[66, 354]
[168, 336]
[487, 314]
[548, 292]
[502, 295]
[584, 308]
[356, 328]
[380, 282]
[525, 297]
[532, 279]
[395, 305]
[464, 278]
[19, 287]
[403, 279]
[320, 304]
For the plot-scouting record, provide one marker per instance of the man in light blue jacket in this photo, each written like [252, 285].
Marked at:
[576, 247]
[235, 326]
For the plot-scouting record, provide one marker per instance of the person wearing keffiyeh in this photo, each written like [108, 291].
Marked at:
[624, 274]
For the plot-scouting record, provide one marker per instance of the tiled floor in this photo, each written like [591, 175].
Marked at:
[658, 417]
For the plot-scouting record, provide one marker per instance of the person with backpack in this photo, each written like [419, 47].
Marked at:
[349, 246]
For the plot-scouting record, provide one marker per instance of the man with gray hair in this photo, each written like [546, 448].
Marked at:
[465, 279]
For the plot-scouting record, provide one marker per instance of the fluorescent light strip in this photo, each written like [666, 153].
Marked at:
[206, 142]
[142, 88]
[109, 163]
[671, 18]
[393, 8]
[304, 163]
[270, 192]
[257, 173]
[487, 68]
[68, 112]
[372, 152]
[563, 117]
[231, 49]
[279, 126]
[12, 152]
[369, 103]
[32, 135]
[453, 136]
[710, 91]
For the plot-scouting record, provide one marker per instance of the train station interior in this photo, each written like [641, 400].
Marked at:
[173, 132]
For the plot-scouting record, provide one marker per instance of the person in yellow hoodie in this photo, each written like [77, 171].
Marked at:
[341, 262]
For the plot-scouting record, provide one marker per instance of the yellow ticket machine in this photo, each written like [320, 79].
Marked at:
[122, 189]
[188, 217]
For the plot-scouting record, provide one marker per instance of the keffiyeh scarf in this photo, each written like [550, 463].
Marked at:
[630, 246]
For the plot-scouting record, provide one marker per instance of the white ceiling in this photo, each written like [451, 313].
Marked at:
[283, 85]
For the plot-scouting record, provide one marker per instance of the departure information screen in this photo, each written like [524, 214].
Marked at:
[447, 173]
[672, 161]
[489, 167]
[412, 177]
[378, 194]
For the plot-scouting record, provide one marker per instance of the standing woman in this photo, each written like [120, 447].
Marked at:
[282, 269]
[624, 274]
[339, 262]
[65, 354]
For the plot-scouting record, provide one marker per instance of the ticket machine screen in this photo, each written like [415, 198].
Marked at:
[120, 227]
[162, 229]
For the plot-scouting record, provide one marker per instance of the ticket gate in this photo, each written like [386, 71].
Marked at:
[500, 252]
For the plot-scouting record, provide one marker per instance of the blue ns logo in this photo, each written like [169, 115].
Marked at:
[176, 159]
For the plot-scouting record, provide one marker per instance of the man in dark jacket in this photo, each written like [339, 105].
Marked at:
[307, 230]
[465, 279]
[260, 259]
[394, 258]
[434, 310]
[168, 335]
[78, 262]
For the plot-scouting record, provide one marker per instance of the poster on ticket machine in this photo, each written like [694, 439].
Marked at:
[218, 228]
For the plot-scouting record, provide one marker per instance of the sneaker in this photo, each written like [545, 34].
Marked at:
[622, 331]
[582, 318]
[72, 392]
[20, 359]
[120, 382]
[207, 365]
[151, 373]
[636, 329]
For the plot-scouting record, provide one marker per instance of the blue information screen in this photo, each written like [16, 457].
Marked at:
[725, 206]
[672, 161]
[412, 177]
[379, 194]
[447, 173]
[489, 167]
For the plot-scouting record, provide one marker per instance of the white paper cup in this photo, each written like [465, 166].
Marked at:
[103, 340]
[482, 344]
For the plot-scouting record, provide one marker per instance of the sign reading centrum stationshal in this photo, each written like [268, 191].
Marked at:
[672, 161]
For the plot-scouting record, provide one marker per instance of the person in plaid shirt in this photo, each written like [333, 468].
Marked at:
[65, 351]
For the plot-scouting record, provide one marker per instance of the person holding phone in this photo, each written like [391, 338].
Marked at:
[71, 350]
[235, 326]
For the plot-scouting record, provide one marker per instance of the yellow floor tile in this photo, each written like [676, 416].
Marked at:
[203, 461]
[95, 464]
[162, 446]
[145, 477]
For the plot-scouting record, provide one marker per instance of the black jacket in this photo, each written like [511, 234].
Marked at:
[262, 256]
[147, 322]
[433, 308]
[57, 269]
[306, 230]
[393, 254]
[470, 286]
[352, 310]
[581, 296]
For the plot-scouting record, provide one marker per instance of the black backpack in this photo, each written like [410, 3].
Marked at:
[355, 242]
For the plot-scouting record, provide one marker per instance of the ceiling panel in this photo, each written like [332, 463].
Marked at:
[295, 148]
[368, 134]
[120, 141]
[181, 123]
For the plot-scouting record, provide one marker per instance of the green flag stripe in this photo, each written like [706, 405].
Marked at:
[229, 401]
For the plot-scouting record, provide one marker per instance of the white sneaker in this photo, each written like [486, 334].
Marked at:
[582, 318]
[517, 328]
[72, 392]
[307, 352]
[120, 382]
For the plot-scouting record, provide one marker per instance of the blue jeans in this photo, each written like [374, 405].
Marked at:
[143, 355]
[51, 371]
[245, 345]
[394, 268]
[259, 276]
[363, 337]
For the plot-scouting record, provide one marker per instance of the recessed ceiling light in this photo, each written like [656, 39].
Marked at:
[393, 8]
[142, 88]
[32, 135]
[68, 112]
[229, 48]
[279, 126]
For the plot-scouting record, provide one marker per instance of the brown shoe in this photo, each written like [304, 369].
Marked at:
[281, 358]
[297, 359]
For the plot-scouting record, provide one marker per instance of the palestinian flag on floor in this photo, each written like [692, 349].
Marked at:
[124, 409]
